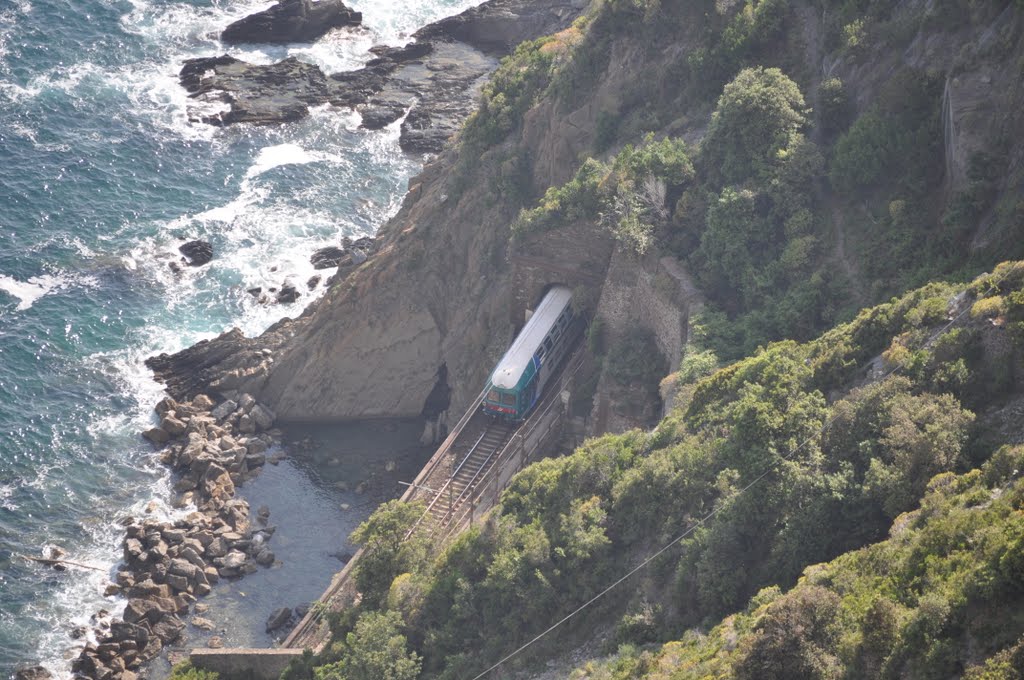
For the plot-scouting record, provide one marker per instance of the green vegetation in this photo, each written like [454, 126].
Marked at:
[627, 198]
[186, 671]
[374, 650]
[832, 475]
[879, 448]
[942, 597]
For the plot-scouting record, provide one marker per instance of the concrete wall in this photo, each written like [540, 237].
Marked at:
[244, 664]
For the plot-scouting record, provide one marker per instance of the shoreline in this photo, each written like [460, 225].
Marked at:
[324, 480]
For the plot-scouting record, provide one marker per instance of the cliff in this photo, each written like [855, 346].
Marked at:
[442, 289]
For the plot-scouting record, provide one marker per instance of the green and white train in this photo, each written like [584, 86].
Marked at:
[519, 378]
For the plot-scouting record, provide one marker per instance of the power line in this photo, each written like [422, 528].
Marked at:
[716, 510]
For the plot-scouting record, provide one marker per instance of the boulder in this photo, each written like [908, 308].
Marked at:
[164, 405]
[291, 21]
[262, 416]
[246, 425]
[202, 624]
[173, 426]
[156, 435]
[218, 548]
[328, 257]
[32, 673]
[246, 402]
[313, 282]
[202, 402]
[169, 629]
[224, 409]
[288, 293]
[139, 609]
[122, 631]
[265, 557]
[173, 536]
[197, 253]
[233, 560]
[278, 618]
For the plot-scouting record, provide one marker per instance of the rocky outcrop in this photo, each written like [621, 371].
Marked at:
[497, 27]
[292, 21]
[167, 565]
[259, 94]
[196, 253]
[435, 79]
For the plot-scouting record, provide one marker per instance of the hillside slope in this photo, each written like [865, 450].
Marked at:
[897, 159]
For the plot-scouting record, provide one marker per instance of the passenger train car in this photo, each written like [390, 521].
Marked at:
[519, 378]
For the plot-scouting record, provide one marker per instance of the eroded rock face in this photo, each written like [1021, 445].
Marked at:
[260, 94]
[435, 79]
[497, 27]
[292, 21]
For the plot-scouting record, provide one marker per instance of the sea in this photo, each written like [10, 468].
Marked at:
[102, 178]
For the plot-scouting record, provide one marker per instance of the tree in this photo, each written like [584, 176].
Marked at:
[794, 638]
[386, 553]
[757, 116]
[375, 650]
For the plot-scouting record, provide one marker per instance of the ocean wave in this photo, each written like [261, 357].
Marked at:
[32, 289]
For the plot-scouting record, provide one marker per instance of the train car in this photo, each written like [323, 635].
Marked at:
[519, 378]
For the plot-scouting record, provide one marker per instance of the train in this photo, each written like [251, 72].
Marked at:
[517, 382]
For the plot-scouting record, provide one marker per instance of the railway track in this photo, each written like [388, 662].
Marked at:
[475, 463]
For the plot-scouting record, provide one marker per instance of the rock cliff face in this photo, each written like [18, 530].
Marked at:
[442, 288]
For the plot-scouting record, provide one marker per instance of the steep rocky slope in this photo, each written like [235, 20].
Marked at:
[441, 288]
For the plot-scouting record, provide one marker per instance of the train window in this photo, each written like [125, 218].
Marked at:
[509, 399]
[493, 395]
[547, 344]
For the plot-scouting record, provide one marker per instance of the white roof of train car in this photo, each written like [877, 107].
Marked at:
[512, 365]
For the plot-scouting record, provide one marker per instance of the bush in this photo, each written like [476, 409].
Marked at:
[386, 552]
[987, 308]
[186, 671]
[577, 199]
[757, 116]
[374, 650]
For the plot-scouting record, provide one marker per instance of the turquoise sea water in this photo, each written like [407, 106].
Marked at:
[101, 179]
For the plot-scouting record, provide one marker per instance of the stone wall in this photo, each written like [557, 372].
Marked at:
[576, 256]
[244, 664]
[655, 293]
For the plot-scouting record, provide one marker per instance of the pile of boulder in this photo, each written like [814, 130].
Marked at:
[168, 565]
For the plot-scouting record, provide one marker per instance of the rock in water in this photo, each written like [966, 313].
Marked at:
[328, 257]
[287, 294]
[278, 618]
[292, 21]
[197, 253]
[32, 673]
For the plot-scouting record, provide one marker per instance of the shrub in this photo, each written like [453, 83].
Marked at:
[386, 553]
[374, 650]
[186, 671]
[757, 116]
[987, 308]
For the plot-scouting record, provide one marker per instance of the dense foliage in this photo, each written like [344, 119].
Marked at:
[879, 447]
[831, 475]
[942, 597]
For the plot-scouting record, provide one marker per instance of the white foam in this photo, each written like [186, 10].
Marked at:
[31, 290]
[6, 491]
[271, 157]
